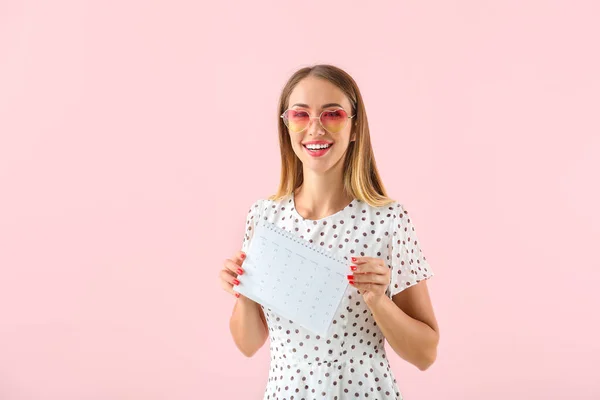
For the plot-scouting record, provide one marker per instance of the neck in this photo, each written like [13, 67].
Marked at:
[321, 195]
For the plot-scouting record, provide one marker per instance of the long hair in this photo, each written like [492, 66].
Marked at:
[361, 178]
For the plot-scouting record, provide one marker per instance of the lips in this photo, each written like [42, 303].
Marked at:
[317, 142]
[319, 152]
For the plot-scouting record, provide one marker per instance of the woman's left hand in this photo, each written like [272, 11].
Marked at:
[371, 276]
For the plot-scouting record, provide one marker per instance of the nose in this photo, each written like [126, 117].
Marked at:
[314, 127]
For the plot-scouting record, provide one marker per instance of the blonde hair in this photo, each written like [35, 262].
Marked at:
[361, 178]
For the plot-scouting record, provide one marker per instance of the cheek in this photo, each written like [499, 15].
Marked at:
[342, 144]
[294, 144]
[297, 148]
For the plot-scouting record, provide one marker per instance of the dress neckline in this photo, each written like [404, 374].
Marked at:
[297, 214]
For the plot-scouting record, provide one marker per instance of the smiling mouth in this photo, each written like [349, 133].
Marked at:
[320, 148]
[318, 152]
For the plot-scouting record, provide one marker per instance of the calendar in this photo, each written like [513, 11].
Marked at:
[294, 278]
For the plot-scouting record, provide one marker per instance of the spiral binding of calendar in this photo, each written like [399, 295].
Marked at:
[300, 241]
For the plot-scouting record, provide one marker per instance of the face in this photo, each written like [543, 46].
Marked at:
[314, 93]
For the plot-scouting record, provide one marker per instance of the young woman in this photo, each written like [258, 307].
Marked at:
[331, 195]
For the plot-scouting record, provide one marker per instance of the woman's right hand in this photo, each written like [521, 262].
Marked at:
[232, 267]
[247, 323]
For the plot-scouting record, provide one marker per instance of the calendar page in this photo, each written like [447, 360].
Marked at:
[293, 277]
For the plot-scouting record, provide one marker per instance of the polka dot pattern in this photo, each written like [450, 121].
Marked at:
[351, 362]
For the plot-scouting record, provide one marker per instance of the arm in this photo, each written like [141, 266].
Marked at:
[248, 326]
[406, 320]
[408, 323]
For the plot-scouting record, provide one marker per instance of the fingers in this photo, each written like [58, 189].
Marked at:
[239, 257]
[369, 278]
[228, 281]
[229, 274]
[368, 287]
[229, 277]
[372, 265]
[233, 266]
[360, 260]
[369, 274]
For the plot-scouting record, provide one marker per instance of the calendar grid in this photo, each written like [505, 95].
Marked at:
[293, 277]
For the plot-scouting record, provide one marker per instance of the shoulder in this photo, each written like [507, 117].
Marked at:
[254, 210]
[256, 205]
[272, 205]
[393, 215]
[265, 205]
[389, 211]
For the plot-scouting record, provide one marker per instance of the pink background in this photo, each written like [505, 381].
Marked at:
[134, 136]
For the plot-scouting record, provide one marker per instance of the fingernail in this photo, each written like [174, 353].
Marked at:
[353, 268]
[237, 294]
[243, 255]
[240, 271]
[354, 259]
[236, 282]
[351, 282]
[350, 276]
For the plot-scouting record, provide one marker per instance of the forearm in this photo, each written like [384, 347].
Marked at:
[413, 340]
[247, 327]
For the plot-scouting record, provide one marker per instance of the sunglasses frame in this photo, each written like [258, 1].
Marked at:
[319, 118]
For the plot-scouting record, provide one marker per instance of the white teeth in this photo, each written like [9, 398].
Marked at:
[317, 146]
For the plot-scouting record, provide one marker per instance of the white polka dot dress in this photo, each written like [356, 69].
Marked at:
[350, 362]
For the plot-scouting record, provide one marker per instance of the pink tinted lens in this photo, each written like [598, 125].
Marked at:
[335, 120]
[296, 120]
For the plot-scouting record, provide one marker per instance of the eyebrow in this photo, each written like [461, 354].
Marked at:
[323, 106]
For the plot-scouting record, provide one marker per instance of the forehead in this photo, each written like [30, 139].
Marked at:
[315, 92]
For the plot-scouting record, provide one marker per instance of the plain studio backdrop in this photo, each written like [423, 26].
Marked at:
[135, 135]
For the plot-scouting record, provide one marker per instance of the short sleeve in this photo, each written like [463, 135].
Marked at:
[251, 219]
[407, 261]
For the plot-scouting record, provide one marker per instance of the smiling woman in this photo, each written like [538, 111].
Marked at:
[319, 113]
[330, 194]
